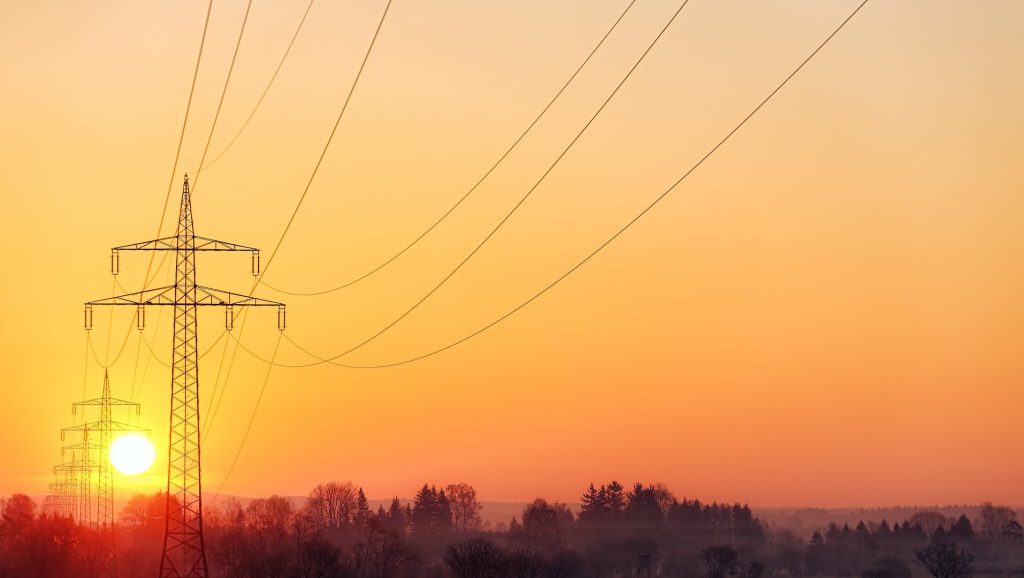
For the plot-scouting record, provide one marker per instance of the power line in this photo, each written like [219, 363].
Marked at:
[523, 199]
[215, 399]
[108, 364]
[475, 185]
[302, 197]
[152, 352]
[156, 326]
[593, 253]
[252, 418]
[181, 137]
[174, 168]
[327, 145]
[223, 93]
[263, 95]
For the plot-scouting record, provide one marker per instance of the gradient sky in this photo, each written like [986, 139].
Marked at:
[827, 313]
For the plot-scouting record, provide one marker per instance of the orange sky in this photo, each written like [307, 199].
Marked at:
[828, 312]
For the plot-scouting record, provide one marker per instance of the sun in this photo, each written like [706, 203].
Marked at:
[132, 454]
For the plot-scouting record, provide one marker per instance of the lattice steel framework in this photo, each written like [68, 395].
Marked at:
[94, 457]
[184, 555]
[78, 480]
[60, 498]
[107, 427]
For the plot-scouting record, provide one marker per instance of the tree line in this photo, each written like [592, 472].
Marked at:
[613, 532]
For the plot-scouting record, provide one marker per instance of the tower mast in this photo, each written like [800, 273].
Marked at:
[184, 554]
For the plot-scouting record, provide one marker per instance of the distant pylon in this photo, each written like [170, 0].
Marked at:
[106, 427]
[184, 553]
[78, 477]
[60, 497]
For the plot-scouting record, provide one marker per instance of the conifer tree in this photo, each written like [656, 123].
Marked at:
[616, 497]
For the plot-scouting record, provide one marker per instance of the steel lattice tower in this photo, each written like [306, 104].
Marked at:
[107, 427]
[61, 498]
[78, 481]
[184, 555]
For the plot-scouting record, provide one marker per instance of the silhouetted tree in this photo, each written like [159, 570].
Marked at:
[594, 505]
[525, 563]
[544, 526]
[362, 514]
[746, 528]
[816, 556]
[382, 553]
[333, 504]
[477, 558]
[616, 496]
[997, 522]
[396, 518]
[464, 506]
[930, 521]
[318, 559]
[945, 560]
[642, 505]
[19, 512]
[720, 561]
[431, 516]
[962, 531]
[883, 532]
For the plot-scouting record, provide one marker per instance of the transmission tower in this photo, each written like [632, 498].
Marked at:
[184, 555]
[86, 447]
[77, 476]
[58, 502]
[106, 427]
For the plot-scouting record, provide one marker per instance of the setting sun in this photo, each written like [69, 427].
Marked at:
[132, 454]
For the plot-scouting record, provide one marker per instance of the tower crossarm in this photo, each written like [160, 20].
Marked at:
[154, 296]
[76, 466]
[199, 296]
[181, 241]
[82, 446]
[100, 401]
[94, 427]
[171, 244]
[205, 296]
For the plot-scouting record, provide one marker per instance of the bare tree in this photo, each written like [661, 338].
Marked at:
[382, 554]
[664, 496]
[944, 560]
[269, 516]
[477, 558]
[318, 559]
[333, 505]
[720, 561]
[465, 507]
[996, 522]
[930, 520]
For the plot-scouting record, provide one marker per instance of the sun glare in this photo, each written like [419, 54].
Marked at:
[132, 454]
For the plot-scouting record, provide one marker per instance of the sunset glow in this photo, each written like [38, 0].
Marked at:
[132, 454]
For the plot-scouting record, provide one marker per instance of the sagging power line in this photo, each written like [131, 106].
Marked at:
[320, 360]
[475, 186]
[514, 208]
